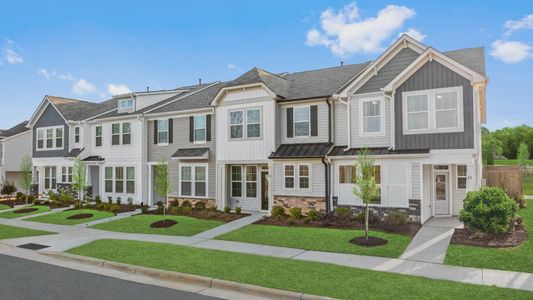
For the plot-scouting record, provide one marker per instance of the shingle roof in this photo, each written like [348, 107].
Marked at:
[340, 151]
[275, 83]
[194, 100]
[94, 158]
[473, 58]
[74, 153]
[74, 109]
[19, 128]
[191, 153]
[308, 150]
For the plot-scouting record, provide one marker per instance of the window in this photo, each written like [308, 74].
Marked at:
[440, 167]
[109, 179]
[251, 181]
[119, 180]
[236, 124]
[200, 128]
[76, 134]
[347, 174]
[433, 111]
[130, 180]
[125, 103]
[253, 123]
[371, 116]
[50, 138]
[115, 134]
[162, 131]
[186, 181]
[289, 176]
[236, 181]
[200, 180]
[126, 133]
[303, 176]
[66, 174]
[302, 121]
[98, 136]
[193, 180]
[50, 178]
[461, 177]
[118, 130]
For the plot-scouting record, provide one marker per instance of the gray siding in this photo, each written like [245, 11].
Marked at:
[50, 117]
[322, 137]
[181, 141]
[432, 76]
[386, 74]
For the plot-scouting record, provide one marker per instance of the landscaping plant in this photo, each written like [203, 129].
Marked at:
[365, 188]
[278, 212]
[26, 179]
[312, 215]
[523, 157]
[79, 179]
[489, 210]
[8, 188]
[238, 210]
[295, 213]
[162, 185]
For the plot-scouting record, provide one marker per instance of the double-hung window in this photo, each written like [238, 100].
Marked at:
[98, 136]
[50, 138]
[40, 139]
[59, 137]
[236, 122]
[186, 181]
[130, 180]
[200, 125]
[251, 181]
[236, 181]
[371, 117]
[347, 174]
[119, 180]
[76, 134]
[461, 177]
[289, 176]
[200, 181]
[245, 123]
[302, 121]
[162, 131]
[121, 132]
[109, 179]
[303, 176]
[125, 103]
[126, 133]
[446, 110]
[417, 112]
[253, 123]
[66, 174]
[115, 134]
[50, 178]
[193, 180]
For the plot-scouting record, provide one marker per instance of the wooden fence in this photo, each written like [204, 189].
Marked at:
[506, 177]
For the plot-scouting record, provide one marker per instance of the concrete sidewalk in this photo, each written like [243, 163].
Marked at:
[231, 226]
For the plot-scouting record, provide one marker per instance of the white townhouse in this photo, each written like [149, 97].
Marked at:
[15, 144]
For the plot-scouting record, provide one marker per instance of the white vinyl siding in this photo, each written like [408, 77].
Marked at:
[322, 123]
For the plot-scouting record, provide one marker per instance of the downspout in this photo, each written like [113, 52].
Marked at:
[324, 160]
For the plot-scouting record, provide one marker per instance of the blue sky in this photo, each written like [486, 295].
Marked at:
[92, 49]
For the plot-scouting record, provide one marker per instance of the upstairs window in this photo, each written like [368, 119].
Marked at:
[77, 134]
[371, 117]
[98, 136]
[162, 131]
[200, 128]
[115, 134]
[236, 124]
[417, 112]
[253, 123]
[121, 133]
[446, 110]
[245, 123]
[125, 103]
[50, 138]
[302, 121]
[126, 133]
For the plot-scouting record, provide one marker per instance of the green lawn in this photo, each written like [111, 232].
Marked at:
[10, 232]
[528, 184]
[186, 226]
[320, 239]
[4, 207]
[511, 162]
[12, 215]
[308, 277]
[61, 217]
[514, 259]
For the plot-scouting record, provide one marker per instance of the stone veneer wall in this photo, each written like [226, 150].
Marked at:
[305, 203]
[209, 203]
[413, 211]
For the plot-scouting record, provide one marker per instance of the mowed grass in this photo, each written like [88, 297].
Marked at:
[280, 273]
[186, 226]
[528, 184]
[514, 259]
[319, 239]
[4, 207]
[12, 215]
[10, 232]
[61, 217]
[511, 162]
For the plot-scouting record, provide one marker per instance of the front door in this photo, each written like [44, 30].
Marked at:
[264, 191]
[441, 194]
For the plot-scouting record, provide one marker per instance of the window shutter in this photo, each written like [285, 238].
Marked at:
[191, 129]
[155, 132]
[289, 123]
[314, 120]
[208, 128]
[170, 131]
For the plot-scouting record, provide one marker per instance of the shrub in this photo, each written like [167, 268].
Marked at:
[489, 210]
[160, 205]
[19, 196]
[98, 200]
[186, 203]
[77, 206]
[115, 209]
[396, 218]
[65, 196]
[295, 213]
[211, 214]
[144, 209]
[130, 201]
[227, 209]
[183, 210]
[107, 206]
[8, 188]
[53, 196]
[278, 212]
[31, 198]
[119, 200]
[200, 205]
[312, 215]
[175, 210]
[174, 203]
[343, 212]
[238, 210]
[109, 199]
[360, 216]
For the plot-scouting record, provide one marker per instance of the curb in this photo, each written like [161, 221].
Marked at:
[196, 280]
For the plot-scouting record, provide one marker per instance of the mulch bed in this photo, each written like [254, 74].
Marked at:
[123, 207]
[163, 224]
[80, 216]
[476, 238]
[53, 205]
[25, 210]
[330, 221]
[206, 214]
[371, 242]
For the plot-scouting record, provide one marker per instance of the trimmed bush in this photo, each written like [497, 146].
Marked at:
[343, 212]
[115, 209]
[199, 205]
[119, 200]
[313, 215]
[8, 188]
[98, 200]
[19, 196]
[110, 200]
[278, 211]
[238, 210]
[227, 209]
[186, 203]
[360, 216]
[396, 218]
[295, 213]
[489, 210]
[130, 201]
[144, 210]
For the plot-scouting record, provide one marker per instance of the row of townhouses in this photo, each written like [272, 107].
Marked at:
[288, 139]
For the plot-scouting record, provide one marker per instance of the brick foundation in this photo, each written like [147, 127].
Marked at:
[209, 203]
[305, 203]
[413, 211]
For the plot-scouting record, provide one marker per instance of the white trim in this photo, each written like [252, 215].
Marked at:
[239, 181]
[41, 108]
[449, 193]
[167, 132]
[193, 180]
[195, 141]
[54, 138]
[226, 90]
[361, 117]
[294, 121]
[244, 124]
[293, 176]
[456, 179]
[309, 175]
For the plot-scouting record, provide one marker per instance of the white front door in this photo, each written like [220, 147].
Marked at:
[441, 194]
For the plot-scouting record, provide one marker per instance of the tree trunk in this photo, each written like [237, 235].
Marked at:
[366, 221]
[26, 197]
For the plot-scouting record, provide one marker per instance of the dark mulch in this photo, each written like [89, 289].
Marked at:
[331, 221]
[80, 216]
[25, 210]
[12, 203]
[123, 207]
[206, 214]
[52, 205]
[371, 242]
[163, 224]
[471, 237]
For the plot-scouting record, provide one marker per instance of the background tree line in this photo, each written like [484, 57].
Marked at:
[506, 141]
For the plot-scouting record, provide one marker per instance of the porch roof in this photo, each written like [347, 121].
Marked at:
[74, 153]
[191, 153]
[340, 151]
[93, 159]
[308, 150]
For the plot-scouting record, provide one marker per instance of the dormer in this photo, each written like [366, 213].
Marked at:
[126, 104]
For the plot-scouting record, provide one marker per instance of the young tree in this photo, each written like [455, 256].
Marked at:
[523, 156]
[162, 185]
[79, 179]
[26, 179]
[365, 188]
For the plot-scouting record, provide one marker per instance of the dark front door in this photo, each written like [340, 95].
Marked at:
[264, 190]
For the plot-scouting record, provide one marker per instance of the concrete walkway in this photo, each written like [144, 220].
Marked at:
[110, 219]
[231, 226]
[71, 236]
[44, 213]
[431, 242]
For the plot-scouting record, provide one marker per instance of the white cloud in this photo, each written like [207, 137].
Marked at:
[117, 89]
[511, 51]
[10, 55]
[234, 67]
[67, 76]
[415, 34]
[345, 32]
[82, 86]
[46, 74]
[512, 25]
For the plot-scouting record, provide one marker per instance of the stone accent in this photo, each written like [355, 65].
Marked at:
[413, 211]
[305, 203]
[209, 203]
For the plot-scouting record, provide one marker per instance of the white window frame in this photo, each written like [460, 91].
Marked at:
[126, 180]
[246, 181]
[77, 134]
[126, 104]
[309, 170]
[245, 124]
[159, 143]
[432, 112]
[48, 177]
[362, 118]
[96, 136]
[66, 174]
[193, 181]
[112, 179]
[294, 108]
[293, 176]
[54, 138]
[199, 128]
[457, 176]
[121, 134]
[234, 181]
[254, 123]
